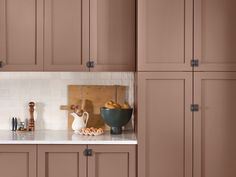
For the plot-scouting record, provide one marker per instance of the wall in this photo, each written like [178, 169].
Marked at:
[49, 91]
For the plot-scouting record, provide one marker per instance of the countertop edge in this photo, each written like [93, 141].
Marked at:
[68, 142]
[65, 137]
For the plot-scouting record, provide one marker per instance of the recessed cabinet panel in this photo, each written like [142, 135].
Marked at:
[215, 35]
[164, 124]
[65, 34]
[214, 130]
[61, 161]
[112, 35]
[164, 35]
[18, 160]
[112, 160]
[55, 160]
[21, 35]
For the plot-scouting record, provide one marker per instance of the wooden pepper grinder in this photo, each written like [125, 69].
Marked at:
[31, 126]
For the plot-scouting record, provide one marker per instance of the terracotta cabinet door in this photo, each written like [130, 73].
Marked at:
[66, 40]
[164, 124]
[21, 35]
[112, 35]
[61, 161]
[18, 160]
[112, 160]
[165, 35]
[215, 35]
[214, 125]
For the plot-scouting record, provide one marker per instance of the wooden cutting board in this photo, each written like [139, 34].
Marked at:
[95, 97]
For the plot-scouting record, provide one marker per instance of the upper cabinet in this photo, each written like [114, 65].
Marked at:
[173, 32]
[165, 35]
[215, 35]
[66, 46]
[112, 35]
[67, 35]
[21, 35]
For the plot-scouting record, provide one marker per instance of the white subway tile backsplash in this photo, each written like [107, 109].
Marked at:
[49, 91]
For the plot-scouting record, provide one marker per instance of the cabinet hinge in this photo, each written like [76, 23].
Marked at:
[90, 64]
[194, 107]
[194, 62]
[88, 152]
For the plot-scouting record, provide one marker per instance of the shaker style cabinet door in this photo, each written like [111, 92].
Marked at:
[112, 35]
[165, 35]
[21, 35]
[215, 35]
[66, 40]
[18, 160]
[112, 161]
[61, 161]
[214, 124]
[164, 124]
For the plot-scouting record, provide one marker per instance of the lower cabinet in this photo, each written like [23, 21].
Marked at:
[164, 124]
[68, 160]
[100, 160]
[18, 160]
[61, 161]
[112, 161]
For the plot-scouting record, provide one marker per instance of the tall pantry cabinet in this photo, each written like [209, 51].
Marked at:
[186, 88]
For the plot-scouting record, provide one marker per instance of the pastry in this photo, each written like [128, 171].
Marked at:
[117, 105]
[110, 106]
[113, 105]
[125, 106]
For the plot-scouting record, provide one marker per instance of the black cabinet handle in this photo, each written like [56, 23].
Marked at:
[88, 152]
[90, 64]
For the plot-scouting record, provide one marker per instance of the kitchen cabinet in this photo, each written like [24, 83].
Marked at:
[169, 38]
[215, 35]
[164, 124]
[165, 35]
[214, 124]
[112, 160]
[96, 35]
[67, 35]
[18, 160]
[86, 160]
[21, 35]
[112, 35]
[186, 120]
[61, 161]
[66, 41]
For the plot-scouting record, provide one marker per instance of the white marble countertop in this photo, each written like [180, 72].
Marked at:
[64, 137]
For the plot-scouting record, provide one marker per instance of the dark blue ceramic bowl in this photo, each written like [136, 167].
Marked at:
[116, 118]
